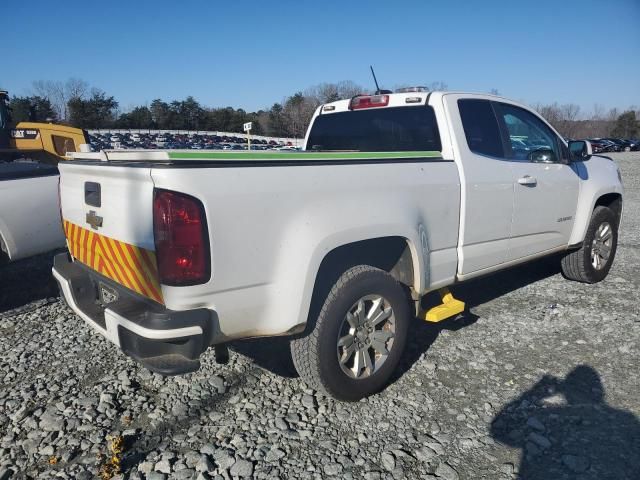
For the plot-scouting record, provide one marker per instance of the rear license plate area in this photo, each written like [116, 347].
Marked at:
[106, 294]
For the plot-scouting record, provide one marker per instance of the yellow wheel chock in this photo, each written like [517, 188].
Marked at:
[450, 307]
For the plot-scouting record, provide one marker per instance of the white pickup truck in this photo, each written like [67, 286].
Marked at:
[29, 207]
[396, 195]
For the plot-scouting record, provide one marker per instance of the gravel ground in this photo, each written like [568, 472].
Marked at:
[538, 380]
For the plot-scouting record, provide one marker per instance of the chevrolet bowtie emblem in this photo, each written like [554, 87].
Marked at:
[94, 220]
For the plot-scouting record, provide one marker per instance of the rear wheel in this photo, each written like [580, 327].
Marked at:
[355, 344]
[592, 262]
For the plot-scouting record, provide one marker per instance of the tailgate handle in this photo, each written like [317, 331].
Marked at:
[92, 194]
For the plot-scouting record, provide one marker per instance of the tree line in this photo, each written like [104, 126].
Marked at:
[74, 102]
[567, 119]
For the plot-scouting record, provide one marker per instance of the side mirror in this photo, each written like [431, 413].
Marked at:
[580, 150]
[542, 155]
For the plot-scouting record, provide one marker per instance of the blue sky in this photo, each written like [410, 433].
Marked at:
[254, 53]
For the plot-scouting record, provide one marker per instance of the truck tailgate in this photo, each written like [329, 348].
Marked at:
[108, 222]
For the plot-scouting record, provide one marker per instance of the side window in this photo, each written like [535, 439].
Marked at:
[528, 134]
[481, 127]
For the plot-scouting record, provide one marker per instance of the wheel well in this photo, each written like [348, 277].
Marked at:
[612, 201]
[391, 254]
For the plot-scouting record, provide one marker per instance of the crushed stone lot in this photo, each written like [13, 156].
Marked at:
[538, 380]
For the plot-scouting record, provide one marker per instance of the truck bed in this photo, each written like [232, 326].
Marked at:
[270, 221]
[248, 158]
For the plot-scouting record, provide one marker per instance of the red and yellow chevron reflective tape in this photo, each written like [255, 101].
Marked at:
[130, 266]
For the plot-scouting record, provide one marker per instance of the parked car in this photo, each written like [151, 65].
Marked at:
[598, 146]
[628, 145]
[608, 145]
[621, 146]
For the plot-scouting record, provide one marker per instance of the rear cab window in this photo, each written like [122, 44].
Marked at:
[390, 129]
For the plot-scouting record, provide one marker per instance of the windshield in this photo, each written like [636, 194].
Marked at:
[394, 129]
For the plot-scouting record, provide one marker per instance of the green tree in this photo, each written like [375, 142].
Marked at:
[626, 126]
[139, 117]
[160, 114]
[223, 118]
[297, 113]
[256, 128]
[98, 111]
[191, 113]
[276, 120]
[31, 109]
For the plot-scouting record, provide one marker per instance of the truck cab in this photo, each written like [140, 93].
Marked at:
[522, 194]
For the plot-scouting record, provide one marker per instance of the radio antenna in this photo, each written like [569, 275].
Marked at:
[375, 79]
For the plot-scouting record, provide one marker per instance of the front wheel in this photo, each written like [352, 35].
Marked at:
[355, 344]
[592, 262]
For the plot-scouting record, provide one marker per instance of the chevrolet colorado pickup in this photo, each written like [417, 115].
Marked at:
[396, 195]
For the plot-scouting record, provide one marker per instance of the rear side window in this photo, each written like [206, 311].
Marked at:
[481, 127]
[394, 129]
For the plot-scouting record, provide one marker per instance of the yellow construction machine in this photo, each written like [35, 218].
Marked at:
[45, 142]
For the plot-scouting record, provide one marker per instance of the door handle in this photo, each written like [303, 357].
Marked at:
[528, 180]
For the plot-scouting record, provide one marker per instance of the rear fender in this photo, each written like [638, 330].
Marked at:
[419, 259]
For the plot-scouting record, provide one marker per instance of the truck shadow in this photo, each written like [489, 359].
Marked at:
[26, 281]
[482, 290]
[158, 437]
[564, 428]
[474, 293]
[271, 354]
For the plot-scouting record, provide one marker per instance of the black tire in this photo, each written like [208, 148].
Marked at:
[315, 355]
[577, 264]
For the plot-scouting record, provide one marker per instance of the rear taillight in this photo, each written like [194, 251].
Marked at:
[369, 101]
[181, 238]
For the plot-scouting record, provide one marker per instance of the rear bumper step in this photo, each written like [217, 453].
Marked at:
[164, 341]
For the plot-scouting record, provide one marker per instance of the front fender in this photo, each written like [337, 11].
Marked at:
[599, 176]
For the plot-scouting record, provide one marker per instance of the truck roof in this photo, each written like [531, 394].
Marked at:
[402, 99]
